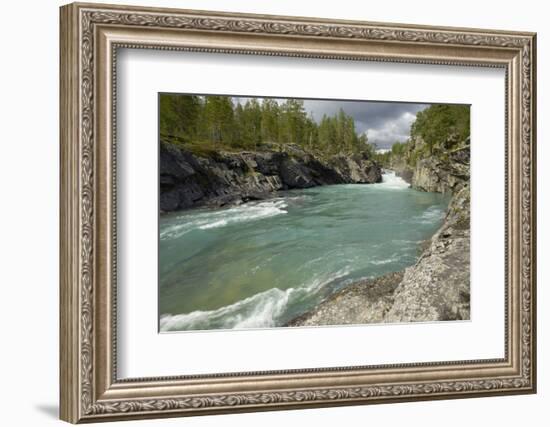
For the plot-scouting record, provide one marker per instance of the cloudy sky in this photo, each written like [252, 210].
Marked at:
[384, 122]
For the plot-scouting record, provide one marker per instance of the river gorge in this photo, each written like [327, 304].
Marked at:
[283, 212]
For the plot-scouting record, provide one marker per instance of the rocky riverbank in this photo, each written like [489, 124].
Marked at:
[440, 173]
[443, 174]
[437, 286]
[188, 179]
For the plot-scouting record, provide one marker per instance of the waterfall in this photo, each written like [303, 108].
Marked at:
[391, 181]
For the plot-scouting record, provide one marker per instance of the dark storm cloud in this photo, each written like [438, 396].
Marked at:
[383, 122]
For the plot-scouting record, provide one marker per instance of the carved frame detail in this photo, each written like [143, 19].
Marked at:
[81, 397]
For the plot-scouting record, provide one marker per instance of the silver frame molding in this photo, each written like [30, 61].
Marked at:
[90, 37]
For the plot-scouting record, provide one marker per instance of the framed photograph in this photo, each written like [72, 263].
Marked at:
[267, 212]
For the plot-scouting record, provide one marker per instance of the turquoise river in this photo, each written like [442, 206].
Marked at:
[262, 263]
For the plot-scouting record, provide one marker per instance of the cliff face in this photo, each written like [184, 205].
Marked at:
[188, 180]
[447, 167]
[443, 174]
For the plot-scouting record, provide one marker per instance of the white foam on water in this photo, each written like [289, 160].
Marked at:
[407, 242]
[261, 310]
[430, 215]
[300, 198]
[214, 224]
[221, 218]
[392, 182]
[392, 258]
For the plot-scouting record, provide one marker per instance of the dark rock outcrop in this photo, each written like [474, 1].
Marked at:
[188, 180]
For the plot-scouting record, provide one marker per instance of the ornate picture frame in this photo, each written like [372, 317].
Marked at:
[90, 37]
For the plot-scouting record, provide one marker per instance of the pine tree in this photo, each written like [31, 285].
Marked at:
[439, 123]
[217, 120]
[270, 120]
[178, 116]
[218, 113]
[292, 121]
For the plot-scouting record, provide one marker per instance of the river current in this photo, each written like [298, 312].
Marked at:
[262, 263]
